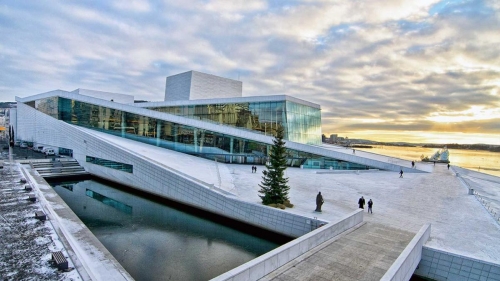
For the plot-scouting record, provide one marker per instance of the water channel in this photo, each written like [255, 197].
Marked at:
[156, 239]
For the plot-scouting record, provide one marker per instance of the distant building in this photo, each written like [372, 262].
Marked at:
[333, 138]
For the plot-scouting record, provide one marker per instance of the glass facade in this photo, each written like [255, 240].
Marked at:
[110, 164]
[195, 141]
[302, 123]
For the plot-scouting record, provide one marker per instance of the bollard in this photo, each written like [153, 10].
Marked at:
[471, 191]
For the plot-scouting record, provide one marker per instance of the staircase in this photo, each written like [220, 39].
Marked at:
[58, 168]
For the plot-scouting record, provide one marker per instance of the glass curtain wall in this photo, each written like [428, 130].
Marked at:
[195, 141]
[301, 123]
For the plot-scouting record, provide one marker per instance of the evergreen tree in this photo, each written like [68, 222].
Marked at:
[274, 188]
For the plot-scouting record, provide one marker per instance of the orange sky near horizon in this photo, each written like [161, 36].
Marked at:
[421, 137]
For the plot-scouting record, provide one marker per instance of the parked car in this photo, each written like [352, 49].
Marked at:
[38, 148]
[44, 149]
[50, 152]
[23, 145]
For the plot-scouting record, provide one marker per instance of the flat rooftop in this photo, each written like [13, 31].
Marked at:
[460, 224]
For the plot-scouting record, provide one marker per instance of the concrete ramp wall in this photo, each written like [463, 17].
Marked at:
[404, 266]
[265, 264]
[439, 265]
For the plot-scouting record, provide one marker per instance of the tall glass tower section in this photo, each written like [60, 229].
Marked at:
[302, 122]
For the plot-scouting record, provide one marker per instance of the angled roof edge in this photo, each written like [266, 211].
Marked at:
[229, 100]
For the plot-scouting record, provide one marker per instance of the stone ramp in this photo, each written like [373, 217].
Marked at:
[363, 254]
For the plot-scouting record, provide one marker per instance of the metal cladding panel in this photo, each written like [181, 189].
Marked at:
[193, 85]
[204, 86]
[178, 87]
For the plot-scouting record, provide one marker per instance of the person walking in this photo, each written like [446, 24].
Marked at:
[361, 202]
[448, 166]
[401, 173]
[412, 164]
[370, 205]
[319, 202]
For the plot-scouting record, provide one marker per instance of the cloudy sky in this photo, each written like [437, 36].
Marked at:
[391, 70]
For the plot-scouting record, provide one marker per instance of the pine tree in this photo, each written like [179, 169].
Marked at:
[274, 188]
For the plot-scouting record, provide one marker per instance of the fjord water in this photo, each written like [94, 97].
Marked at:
[153, 241]
[478, 160]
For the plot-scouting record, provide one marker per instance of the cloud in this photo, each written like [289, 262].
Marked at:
[133, 6]
[372, 65]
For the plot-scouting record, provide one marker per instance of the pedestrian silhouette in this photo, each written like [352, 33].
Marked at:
[361, 202]
[319, 202]
[370, 204]
[401, 173]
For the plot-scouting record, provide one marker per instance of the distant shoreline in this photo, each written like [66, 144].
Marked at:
[485, 147]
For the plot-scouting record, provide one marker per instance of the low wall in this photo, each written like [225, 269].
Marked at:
[404, 266]
[347, 171]
[439, 265]
[89, 256]
[265, 264]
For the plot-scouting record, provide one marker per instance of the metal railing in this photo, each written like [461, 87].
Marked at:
[487, 206]
[481, 198]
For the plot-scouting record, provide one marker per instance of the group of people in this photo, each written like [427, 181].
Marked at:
[254, 169]
[361, 204]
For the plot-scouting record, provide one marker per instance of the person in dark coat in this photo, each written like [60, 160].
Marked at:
[370, 204]
[361, 202]
[401, 173]
[319, 202]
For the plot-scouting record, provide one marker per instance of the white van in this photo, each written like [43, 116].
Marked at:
[38, 148]
[50, 152]
[44, 149]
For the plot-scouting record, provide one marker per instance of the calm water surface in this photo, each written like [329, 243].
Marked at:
[155, 242]
[478, 160]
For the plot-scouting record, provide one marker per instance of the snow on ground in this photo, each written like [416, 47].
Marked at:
[26, 243]
[459, 222]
